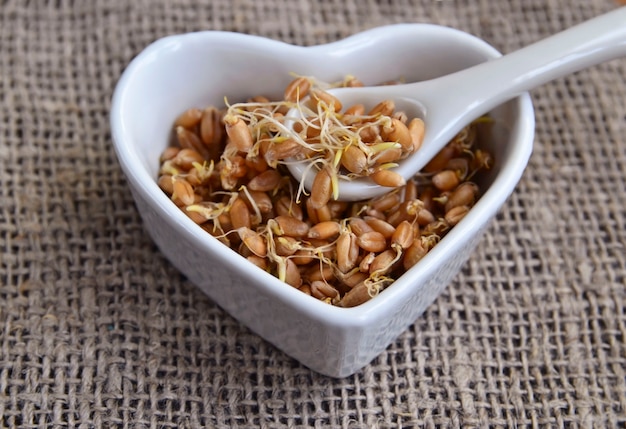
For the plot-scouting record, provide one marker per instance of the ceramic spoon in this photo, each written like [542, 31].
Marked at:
[449, 103]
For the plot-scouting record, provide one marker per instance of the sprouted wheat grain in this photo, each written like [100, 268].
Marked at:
[226, 169]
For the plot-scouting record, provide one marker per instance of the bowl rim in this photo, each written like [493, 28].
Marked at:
[392, 297]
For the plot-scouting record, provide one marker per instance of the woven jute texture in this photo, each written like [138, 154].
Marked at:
[97, 329]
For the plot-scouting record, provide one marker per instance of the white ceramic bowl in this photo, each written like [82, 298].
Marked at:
[199, 69]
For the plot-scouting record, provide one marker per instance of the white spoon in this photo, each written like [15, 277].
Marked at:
[449, 103]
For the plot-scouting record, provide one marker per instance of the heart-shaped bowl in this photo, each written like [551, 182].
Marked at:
[200, 69]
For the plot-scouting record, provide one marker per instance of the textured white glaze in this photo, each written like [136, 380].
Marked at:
[200, 69]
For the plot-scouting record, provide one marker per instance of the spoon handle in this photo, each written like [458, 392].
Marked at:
[489, 84]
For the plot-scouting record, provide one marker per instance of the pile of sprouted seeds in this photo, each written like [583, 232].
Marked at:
[226, 170]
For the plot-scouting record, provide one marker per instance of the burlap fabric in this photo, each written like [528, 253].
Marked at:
[97, 329]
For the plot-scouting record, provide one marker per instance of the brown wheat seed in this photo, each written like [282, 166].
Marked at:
[189, 118]
[260, 262]
[285, 206]
[445, 180]
[324, 230]
[290, 226]
[322, 290]
[238, 132]
[386, 202]
[267, 181]
[398, 132]
[303, 257]
[331, 102]
[182, 192]
[323, 214]
[186, 158]
[188, 139]
[464, 195]
[293, 276]
[211, 127]
[323, 273]
[354, 110]
[286, 246]
[381, 226]
[321, 189]
[417, 129]
[404, 235]
[359, 226]
[347, 251]
[372, 241]
[356, 296]
[240, 214]
[369, 133]
[254, 241]
[354, 159]
[384, 108]
[414, 253]
[258, 200]
[387, 178]
[297, 89]
[166, 184]
[353, 278]
[168, 154]
[455, 214]
[383, 262]
[281, 151]
[387, 156]
[366, 262]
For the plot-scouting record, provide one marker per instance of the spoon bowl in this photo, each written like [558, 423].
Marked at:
[449, 103]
